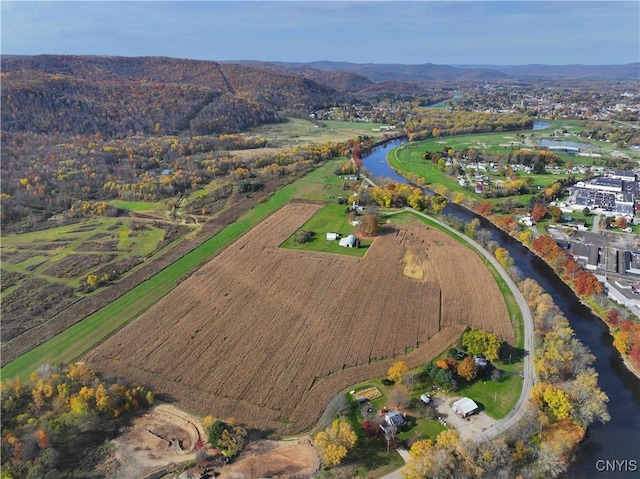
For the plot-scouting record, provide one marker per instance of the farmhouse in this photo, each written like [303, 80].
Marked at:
[394, 418]
[348, 242]
[464, 407]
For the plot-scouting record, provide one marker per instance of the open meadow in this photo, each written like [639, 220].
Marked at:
[268, 335]
[45, 271]
[297, 131]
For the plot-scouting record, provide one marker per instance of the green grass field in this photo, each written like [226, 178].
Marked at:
[496, 398]
[370, 453]
[297, 131]
[331, 218]
[141, 206]
[39, 253]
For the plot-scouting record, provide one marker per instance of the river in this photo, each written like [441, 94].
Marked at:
[618, 439]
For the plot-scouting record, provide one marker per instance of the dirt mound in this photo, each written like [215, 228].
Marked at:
[162, 436]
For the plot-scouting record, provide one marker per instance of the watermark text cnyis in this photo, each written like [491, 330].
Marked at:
[616, 465]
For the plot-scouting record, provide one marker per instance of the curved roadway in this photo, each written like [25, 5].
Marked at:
[511, 419]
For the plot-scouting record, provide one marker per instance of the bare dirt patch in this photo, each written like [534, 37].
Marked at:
[160, 437]
[269, 335]
[275, 459]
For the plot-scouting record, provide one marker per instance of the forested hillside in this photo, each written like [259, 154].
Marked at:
[116, 96]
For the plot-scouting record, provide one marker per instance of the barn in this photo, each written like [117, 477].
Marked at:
[464, 407]
[348, 242]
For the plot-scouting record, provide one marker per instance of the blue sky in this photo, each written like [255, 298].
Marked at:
[414, 32]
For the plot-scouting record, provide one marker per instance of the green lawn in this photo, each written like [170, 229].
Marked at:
[331, 218]
[497, 399]
[370, 454]
[142, 206]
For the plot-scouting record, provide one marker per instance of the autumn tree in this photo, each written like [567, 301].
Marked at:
[396, 371]
[232, 441]
[368, 224]
[438, 204]
[56, 411]
[400, 396]
[335, 442]
[613, 317]
[484, 209]
[503, 257]
[538, 213]
[555, 213]
[468, 369]
[552, 399]
[587, 284]
[589, 401]
[93, 281]
[481, 343]
[621, 222]
[471, 228]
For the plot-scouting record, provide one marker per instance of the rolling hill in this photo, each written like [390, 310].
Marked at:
[119, 95]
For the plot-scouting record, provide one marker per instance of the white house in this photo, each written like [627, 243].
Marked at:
[394, 418]
[348, 242]
[464, 407]
[332, 236]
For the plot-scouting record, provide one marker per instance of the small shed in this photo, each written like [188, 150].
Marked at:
[425, 399]
[348, 242]
[332, 236]
[464, 407]
[480, 362]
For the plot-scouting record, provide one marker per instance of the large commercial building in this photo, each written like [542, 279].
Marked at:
[616, 193]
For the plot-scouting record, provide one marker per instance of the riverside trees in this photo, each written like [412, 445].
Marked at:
[563, 404]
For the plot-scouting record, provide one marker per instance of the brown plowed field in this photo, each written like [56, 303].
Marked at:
[269, 335]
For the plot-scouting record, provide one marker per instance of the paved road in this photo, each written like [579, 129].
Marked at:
[528, 375]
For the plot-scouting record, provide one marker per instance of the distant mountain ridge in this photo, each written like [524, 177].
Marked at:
[629, 71]
[429, 71]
